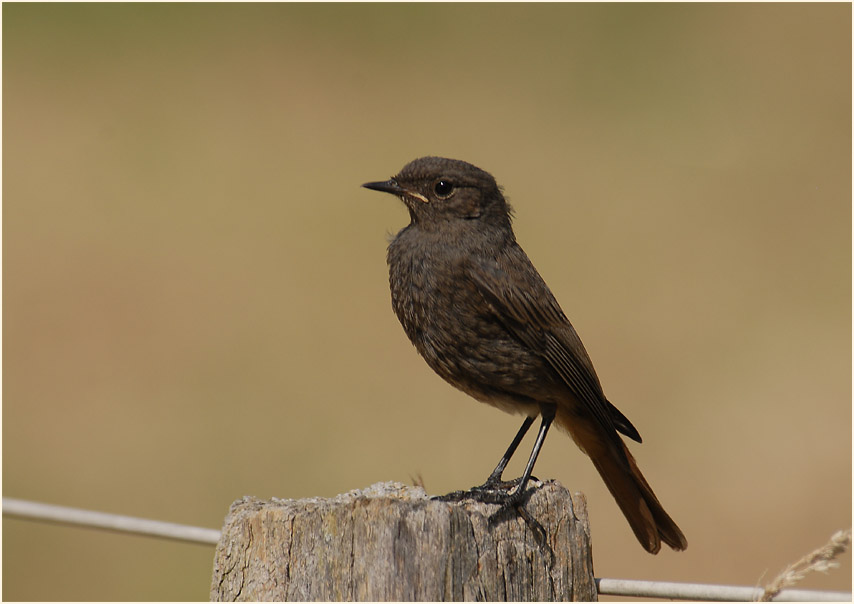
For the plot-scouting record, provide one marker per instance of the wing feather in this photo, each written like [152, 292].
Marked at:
[530, 312]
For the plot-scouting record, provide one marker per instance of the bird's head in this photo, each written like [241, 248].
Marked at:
[438, 190]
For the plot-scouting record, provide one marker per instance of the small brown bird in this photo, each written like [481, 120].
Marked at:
[479, 313]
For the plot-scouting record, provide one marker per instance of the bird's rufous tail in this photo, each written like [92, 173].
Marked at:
[618, 469]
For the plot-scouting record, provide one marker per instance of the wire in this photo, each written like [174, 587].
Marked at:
[709, 592]
[32, 510]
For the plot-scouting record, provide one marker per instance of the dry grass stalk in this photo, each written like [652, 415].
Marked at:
[822, 560]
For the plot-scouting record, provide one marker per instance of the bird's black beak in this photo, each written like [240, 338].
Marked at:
[389, 186]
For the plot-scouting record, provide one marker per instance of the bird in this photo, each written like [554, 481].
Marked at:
[482, 317]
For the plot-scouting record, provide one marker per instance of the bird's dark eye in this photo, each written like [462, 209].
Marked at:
[443, 188]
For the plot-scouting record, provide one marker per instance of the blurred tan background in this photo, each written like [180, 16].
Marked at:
[195, 296]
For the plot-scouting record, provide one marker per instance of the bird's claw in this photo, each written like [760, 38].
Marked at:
[505, 493]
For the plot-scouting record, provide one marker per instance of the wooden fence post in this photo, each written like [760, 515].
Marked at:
[391, 542]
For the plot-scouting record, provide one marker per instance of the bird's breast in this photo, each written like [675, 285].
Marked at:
[455, 329]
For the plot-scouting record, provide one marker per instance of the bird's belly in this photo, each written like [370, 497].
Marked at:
[458, 334]
[479, 356]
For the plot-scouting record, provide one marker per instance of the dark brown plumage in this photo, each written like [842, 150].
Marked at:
[479, 313]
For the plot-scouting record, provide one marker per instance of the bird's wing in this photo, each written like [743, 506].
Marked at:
[523, 302]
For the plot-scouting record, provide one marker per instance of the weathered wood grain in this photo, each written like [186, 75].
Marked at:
[391, 542]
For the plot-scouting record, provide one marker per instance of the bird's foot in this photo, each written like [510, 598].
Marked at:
[510, 498]
[505, 493]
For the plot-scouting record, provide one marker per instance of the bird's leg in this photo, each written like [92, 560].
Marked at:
[495, 478]
[548, 413]
[494, 490]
